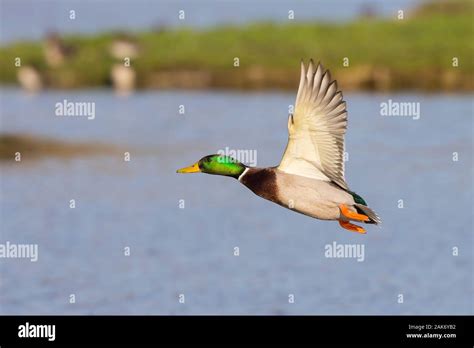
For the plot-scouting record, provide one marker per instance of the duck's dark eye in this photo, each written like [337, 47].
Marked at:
[205, 160]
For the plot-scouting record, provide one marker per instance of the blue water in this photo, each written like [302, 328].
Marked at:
[190, 251]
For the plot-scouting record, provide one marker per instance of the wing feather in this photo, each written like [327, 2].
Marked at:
[317, 128]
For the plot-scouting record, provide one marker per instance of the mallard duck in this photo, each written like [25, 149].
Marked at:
[310, 178]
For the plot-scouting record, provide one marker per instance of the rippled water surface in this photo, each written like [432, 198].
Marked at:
[190, 251]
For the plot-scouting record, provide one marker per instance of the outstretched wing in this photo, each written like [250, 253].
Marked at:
[316, 129]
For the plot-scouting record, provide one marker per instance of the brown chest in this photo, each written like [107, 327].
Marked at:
[262, 182]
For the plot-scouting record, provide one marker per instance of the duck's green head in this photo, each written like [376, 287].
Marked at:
[216, 165]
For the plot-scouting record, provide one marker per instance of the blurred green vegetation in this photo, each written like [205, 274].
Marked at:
[415, 52]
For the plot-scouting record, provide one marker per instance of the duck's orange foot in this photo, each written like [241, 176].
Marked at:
[351, 215]
[348, 226]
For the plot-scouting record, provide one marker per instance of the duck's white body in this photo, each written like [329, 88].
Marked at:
[316, 198]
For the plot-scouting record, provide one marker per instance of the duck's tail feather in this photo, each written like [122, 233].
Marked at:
[363, 209]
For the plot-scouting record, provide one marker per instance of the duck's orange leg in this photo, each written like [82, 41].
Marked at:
[348, 226]
[351, 215]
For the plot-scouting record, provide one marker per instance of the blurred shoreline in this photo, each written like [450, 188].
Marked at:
[429, 49]
[17, 146]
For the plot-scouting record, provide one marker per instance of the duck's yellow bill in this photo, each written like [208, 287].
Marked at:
[191, 169]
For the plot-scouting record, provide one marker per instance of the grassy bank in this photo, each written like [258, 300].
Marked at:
[414, 53]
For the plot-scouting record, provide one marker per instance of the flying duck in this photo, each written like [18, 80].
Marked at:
[310, 177]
